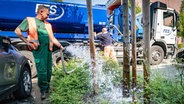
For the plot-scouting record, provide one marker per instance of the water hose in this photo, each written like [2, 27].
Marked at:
[63, 63]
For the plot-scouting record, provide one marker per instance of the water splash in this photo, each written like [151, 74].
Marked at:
[107, 90]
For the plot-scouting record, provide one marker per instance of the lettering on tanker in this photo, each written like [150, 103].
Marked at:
[166, 31]
[53, 9]
[56, 12]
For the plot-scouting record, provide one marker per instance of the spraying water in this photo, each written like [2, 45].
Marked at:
[107, 90]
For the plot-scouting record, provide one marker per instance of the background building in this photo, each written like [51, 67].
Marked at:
[170, 3]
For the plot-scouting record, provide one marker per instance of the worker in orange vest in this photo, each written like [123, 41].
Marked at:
[40, 40]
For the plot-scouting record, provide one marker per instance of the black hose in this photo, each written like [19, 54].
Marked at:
[63, 63]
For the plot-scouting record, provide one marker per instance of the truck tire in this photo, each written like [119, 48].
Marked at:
[157, 55]
[24, 85]
[29, 55]
[56, 57]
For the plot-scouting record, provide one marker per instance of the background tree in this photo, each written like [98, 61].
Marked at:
[137, 7]
[181, 21]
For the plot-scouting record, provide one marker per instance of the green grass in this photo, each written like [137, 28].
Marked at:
[75, 88]
[164, 91]
[69, 89]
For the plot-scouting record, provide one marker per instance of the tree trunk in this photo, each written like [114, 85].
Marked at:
[134, 59]
[146, 50]
[126, 51]
[92, 46]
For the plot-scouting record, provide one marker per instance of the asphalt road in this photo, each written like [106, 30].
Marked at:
[33, 99]
[166, 68]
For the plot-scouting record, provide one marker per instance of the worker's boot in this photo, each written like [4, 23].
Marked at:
[48, 91]
[43, 96]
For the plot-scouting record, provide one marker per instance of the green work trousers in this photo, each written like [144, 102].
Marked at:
[43, 61]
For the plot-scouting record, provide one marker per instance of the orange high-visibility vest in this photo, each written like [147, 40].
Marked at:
[50, 32]
[33, 35]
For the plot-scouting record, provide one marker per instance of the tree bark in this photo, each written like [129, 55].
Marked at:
[92, 46]
[146, 49]
[134, 57]
[126, 50]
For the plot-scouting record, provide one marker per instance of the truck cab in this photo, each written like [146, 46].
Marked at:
[163, 30]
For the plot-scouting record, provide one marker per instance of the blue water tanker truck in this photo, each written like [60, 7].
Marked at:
[69, 21]
[70, 26]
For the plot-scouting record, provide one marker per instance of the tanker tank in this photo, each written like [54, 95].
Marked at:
[64, 17]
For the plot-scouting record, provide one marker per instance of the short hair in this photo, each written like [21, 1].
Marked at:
[40, 7]
[104, 29]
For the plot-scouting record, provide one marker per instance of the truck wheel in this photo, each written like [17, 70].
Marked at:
[29, 55]
[24, 85]
[157, 55]
[56, 57]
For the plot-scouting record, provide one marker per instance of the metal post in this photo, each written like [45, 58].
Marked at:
[92, 47]
[134, 59]
[146, 50]
[126, 50]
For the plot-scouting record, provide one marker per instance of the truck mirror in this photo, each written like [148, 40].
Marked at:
[178, 30]
[174, 29]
